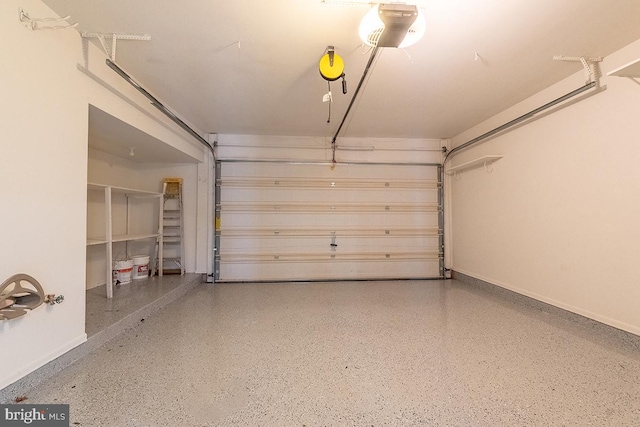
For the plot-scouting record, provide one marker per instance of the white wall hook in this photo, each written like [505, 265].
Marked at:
[44, 23]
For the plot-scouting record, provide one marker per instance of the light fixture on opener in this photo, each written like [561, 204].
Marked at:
[392, 25]
[385, 25]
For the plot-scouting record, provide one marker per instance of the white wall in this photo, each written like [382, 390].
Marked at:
[557, 219]
[43, 131]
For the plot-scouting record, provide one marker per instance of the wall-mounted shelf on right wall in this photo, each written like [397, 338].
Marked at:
[632, 69]
[485, 161]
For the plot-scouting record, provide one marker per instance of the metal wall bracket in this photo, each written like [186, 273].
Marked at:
[111, 52]
[44, 23]
[590, 64]
[20, 294]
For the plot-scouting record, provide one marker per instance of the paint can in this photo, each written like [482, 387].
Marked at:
[122, 271]
[140, 267]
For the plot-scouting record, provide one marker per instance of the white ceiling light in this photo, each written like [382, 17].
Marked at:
[392, 25]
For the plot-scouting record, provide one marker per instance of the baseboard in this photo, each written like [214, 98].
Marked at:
[44, 360]
[624, 337]
[21, 386]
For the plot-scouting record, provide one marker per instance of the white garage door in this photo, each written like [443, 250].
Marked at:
[289, 222]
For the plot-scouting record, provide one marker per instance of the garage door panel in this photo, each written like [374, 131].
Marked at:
[274, 170]
[306, 222]
[270, 232]
[278, 221]
[335, 270]
[320, 244]
[383, 197]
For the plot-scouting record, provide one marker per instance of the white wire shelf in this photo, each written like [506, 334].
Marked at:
[123, 190]
[632, 69]
[485, 161]
[96, 241]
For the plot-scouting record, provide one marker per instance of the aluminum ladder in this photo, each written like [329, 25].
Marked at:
[172, 227]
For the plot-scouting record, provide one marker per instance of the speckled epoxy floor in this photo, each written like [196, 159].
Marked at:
[127, 299]
[430, 353]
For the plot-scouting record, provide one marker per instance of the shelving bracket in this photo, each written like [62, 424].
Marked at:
[590, 64]
[111, 52]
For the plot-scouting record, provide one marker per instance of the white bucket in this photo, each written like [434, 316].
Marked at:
[140, 267]
[122, 271]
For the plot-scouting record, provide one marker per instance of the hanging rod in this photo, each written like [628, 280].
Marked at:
[520, 119]
[156, 103]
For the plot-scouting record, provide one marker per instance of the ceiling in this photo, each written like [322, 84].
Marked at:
[111, 135]
[251, 67]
